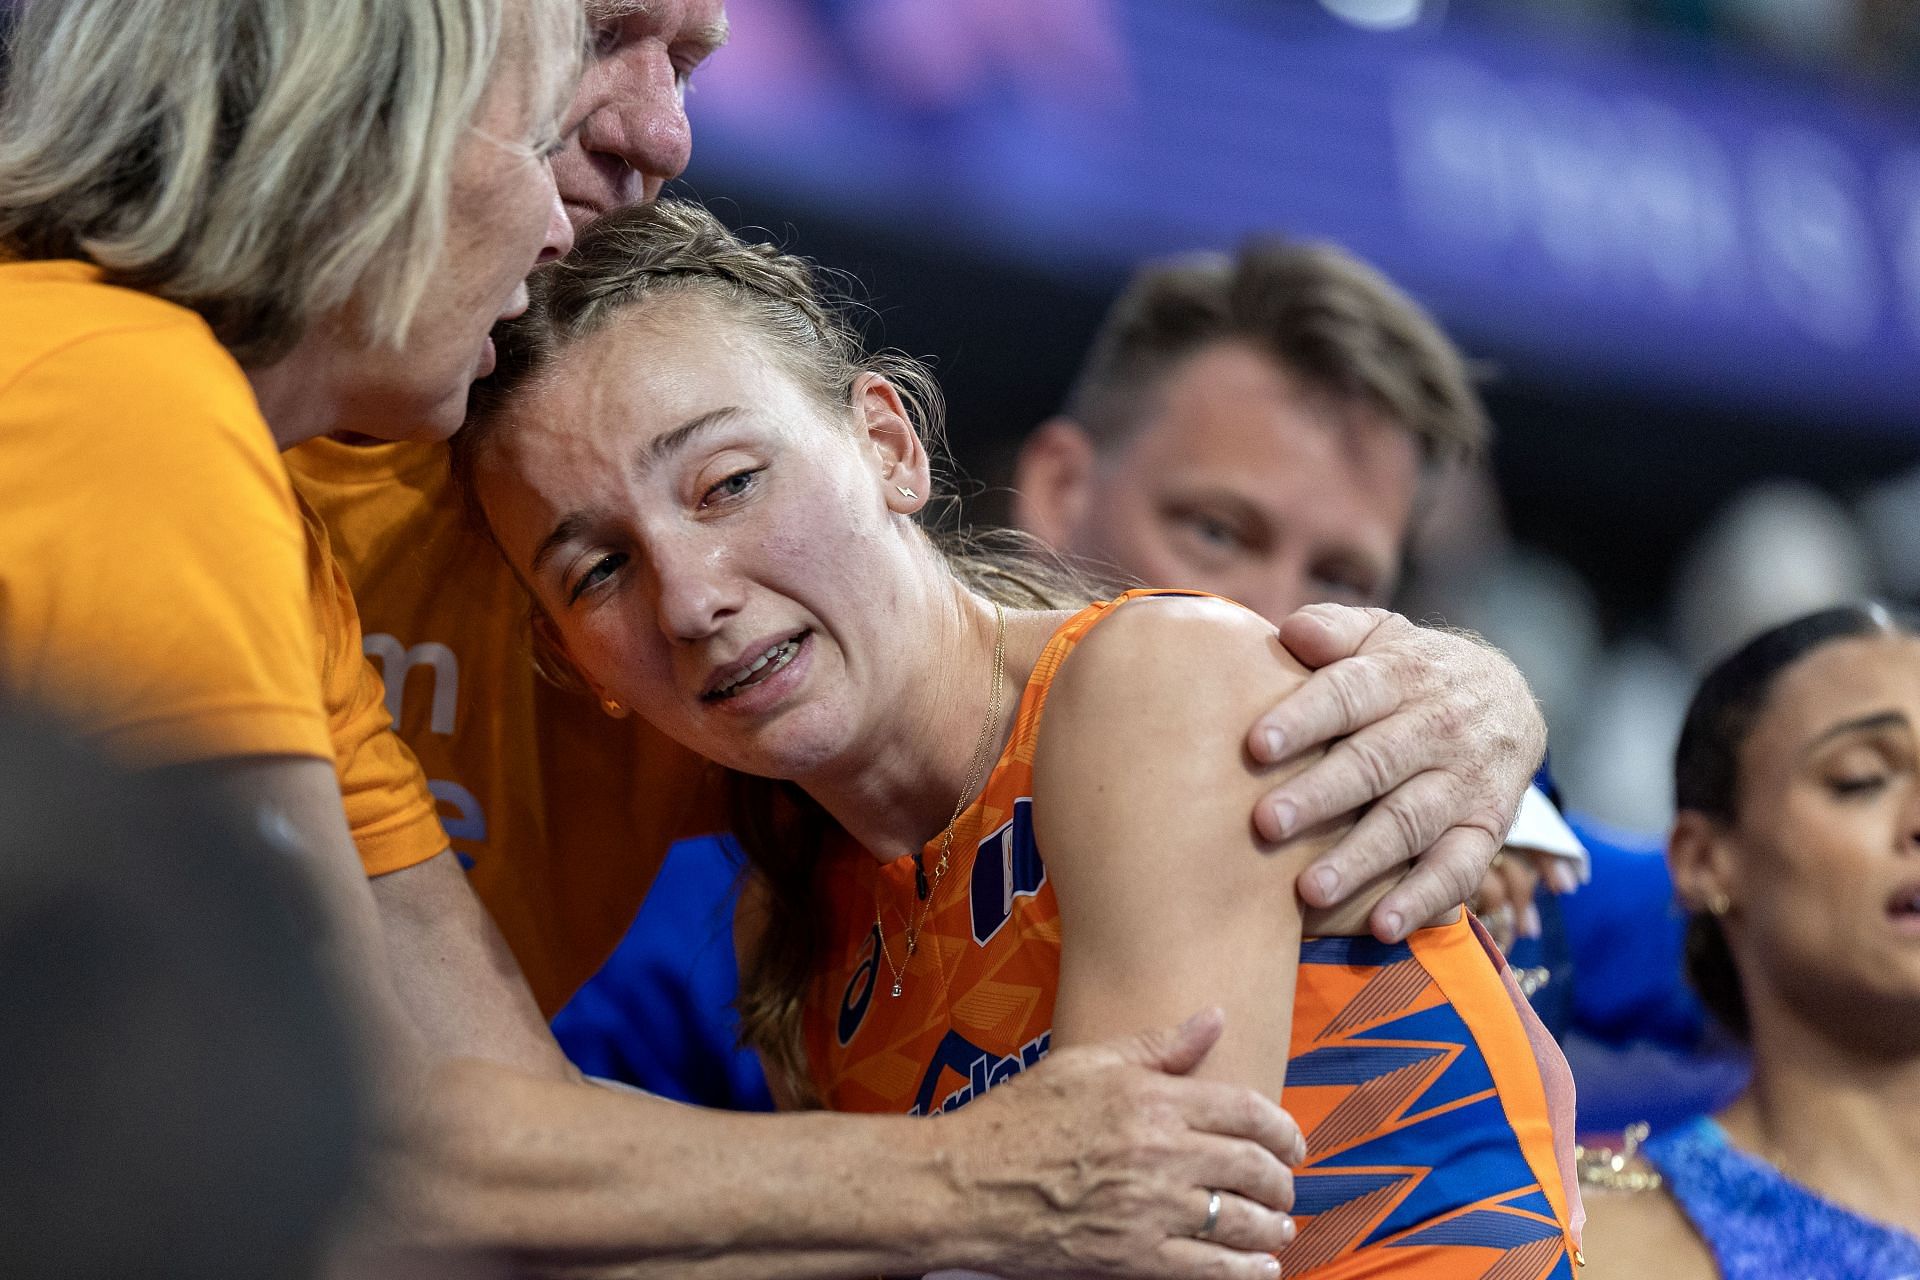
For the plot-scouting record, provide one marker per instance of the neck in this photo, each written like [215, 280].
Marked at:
[295, 395]
[1836, 1117]
[903, 791]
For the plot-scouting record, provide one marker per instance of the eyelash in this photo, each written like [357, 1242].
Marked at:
[748, 474]
[587, 582]
[1852, 787]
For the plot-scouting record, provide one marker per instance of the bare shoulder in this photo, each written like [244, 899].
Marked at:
[1188, 657]
[1634, 1234]
[1142, 754]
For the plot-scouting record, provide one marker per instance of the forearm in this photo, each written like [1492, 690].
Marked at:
[574, 1179]
[456, 978]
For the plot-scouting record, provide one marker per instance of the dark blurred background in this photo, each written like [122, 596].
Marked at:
[1683, 237]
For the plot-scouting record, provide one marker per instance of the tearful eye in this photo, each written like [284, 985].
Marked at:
[732, 487]
[597, 572]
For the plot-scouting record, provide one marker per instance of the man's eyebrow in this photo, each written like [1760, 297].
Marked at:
[1861, 724]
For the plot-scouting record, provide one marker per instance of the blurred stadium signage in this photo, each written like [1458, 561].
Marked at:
[1673, 221]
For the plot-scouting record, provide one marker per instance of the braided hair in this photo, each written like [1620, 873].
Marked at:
[646, 253]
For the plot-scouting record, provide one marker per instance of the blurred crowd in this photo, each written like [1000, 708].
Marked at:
[1614, 694]
[1874, 40]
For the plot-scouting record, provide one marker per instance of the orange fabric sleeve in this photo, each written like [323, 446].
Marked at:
[390, 810]
[153, 584]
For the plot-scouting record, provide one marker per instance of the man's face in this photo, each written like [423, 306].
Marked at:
[632, 135]
[1244, 483]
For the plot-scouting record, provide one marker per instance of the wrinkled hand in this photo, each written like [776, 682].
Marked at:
[1438, 729]
[1099, 1162]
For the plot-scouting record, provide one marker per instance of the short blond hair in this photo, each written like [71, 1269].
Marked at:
[263, 162]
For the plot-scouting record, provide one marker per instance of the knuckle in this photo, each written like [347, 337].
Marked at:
[1350, 681]
[1372, 762]
[1405, 822]
[1450, 720]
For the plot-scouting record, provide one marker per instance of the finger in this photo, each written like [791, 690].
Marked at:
[1499, 926]
[1391, 834]
[1244, 1224]
[1234, 1111]
[1354, 772]
[1175, 1050]
[1335, 701]
[1439, 881]
[1490, 896]
[1199, 1260]
[1323, 633]
[1559, 873]
[1521, 882]
[1239, 1166]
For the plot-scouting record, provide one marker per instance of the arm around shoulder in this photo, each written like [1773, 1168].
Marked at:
[1143, 791]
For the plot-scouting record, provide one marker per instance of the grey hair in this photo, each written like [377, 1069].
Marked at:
[263, 162]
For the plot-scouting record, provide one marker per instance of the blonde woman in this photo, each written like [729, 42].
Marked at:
[232, 225]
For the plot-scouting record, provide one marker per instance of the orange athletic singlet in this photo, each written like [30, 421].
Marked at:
[1431, 1148]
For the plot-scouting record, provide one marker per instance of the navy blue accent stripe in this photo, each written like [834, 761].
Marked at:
[1485, 1228]
[1353, 951]
[1468, 1073]
[1354, 1063]
[1317, 1193]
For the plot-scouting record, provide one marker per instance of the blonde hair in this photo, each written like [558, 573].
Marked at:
[673, 249]
[263, 162]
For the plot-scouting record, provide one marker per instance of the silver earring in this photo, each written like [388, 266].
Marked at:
[907, 493]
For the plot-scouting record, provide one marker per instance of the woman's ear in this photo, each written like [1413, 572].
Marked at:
[1700, 862]
[888, 434]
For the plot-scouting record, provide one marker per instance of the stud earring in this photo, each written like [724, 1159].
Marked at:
[907, 493]
[612, 707]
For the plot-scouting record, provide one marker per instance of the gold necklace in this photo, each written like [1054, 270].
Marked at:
[924, 889]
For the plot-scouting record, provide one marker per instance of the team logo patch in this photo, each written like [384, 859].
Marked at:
[1006, 865]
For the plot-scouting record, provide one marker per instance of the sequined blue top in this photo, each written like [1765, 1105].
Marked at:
[1761, 1225]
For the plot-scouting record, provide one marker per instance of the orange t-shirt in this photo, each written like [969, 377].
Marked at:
[159, 583]
[561, 813]
[153, 572]
[389, 807]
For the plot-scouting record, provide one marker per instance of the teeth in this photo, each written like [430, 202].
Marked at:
[779, 654]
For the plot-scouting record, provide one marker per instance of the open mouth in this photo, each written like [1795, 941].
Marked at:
[763, 666]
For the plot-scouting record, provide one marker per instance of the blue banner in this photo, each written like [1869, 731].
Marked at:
[1666, 222]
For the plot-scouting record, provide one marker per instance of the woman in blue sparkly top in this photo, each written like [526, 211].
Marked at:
[1797, 851]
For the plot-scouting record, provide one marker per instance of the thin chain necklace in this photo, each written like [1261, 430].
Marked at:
[925, 888]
